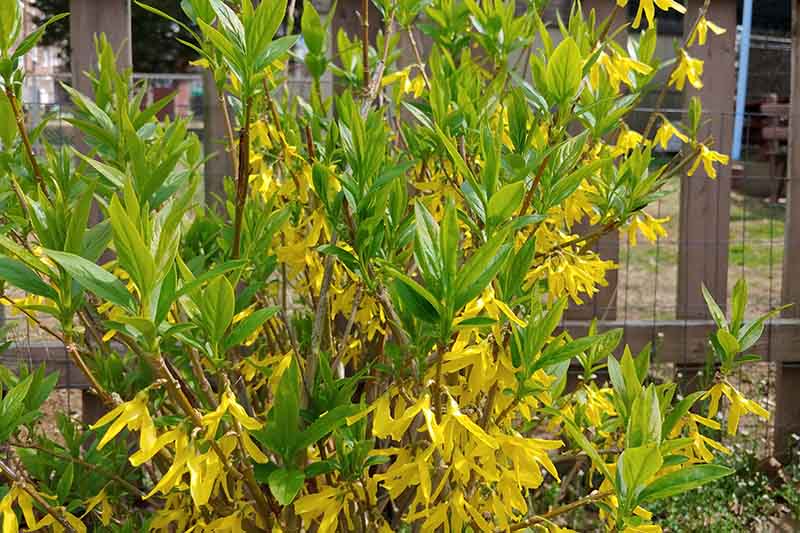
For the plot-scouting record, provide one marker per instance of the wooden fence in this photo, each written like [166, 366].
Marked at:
[703, 242]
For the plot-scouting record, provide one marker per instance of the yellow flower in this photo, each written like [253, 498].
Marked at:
[328, 502]
[406, 84]
[627, 141]
[701, 31]
[688, 68]
[647, 7]
[228, 405]
[708, 157]
[133, 415]
[649, 226]
[571, 273]
[739, 405]
[106, 511]
[666, 132]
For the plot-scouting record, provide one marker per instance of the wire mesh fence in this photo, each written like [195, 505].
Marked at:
[644, 292]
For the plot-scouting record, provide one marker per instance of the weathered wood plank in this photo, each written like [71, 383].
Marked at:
[685, 341]
[791, 256]
[90, 18]
[705, 203]
[52, 355]
[677, 341]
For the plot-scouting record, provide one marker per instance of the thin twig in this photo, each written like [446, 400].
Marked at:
[19, 118]
[365, 41]
[560, 510]
[242, 181]
[82, 462]
[18, 481]
[529, 196]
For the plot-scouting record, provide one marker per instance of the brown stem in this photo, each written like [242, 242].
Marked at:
[538, 178]
[418, 56]
[560, 510]
[319, 320]
[350, 322]
[26, 141]
[365, 40]
[373, 86]
[33, 317]
[18, 480]
[200, 376]
[312, 154]
[79, 461]
[242, 181]
[504, 413]
[229, 129]
[104, 395]
[437, 384]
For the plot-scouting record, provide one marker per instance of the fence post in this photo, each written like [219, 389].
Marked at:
[787, 407]
[704, 217]
[214, 142]
[604, 304]
[89, 18]
[705, 203]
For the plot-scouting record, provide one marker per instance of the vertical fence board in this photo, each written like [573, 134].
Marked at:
[88, 19]
[791, 256]
[787, 416]
[705, 203]
[604, 303]
[214, 142]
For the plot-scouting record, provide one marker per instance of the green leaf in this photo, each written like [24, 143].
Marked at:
[22, 277]
[505, 202]
[755, 328]
[78, 221]
[644, 423]
[448, 247]
[33, 38]
[426, 245]
[481, 269]
[347, 258]
[555, 354]
[8, 123]
[738, 305]
[194, 283]
[678, 412]
[284, 418]
[90, 276]
[134, 255]
[10, 23]
[65, 483]
[583, 443]
[311, 26]
[325, 424]
[416, 299]
[713, 308]
[683, 480]
[285, 484]
[635, 467]
[115, 176]
[564, 71]
[728, 343]
[476, 322]
[246, 327]
[217, 303]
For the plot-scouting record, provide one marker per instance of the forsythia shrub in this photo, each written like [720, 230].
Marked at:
[362, 334]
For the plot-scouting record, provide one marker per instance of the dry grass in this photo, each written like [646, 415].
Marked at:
[648, 273]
